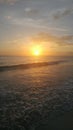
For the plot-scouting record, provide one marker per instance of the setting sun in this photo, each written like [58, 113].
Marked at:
[36, 51]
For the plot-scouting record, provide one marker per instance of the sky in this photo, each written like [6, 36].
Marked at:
[25, 24]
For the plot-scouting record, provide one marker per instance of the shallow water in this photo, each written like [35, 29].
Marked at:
[34, 98]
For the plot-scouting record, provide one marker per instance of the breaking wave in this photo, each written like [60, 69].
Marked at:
[29, 65]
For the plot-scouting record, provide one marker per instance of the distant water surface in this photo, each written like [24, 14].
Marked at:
[13, 60]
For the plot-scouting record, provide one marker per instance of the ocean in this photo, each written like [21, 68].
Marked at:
[36, 93]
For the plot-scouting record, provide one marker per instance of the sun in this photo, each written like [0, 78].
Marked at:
[36, 51]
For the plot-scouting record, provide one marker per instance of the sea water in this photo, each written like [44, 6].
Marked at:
[35, 98]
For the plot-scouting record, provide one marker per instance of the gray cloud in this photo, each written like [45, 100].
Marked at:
[48, 38]
[31, 12]
[8, 1]
[62, 12]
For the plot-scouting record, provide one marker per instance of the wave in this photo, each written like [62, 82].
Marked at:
[29, 65]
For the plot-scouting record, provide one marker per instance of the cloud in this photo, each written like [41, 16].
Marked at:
[62, 12]
[26, 22]
[48, 38]
[31, 22]
[9, 1]
[31, 12]
[8, 17]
